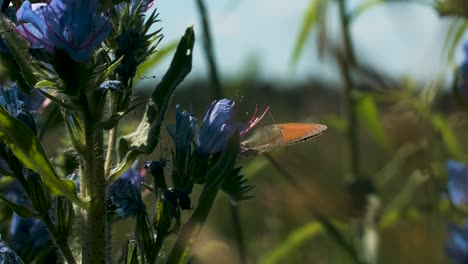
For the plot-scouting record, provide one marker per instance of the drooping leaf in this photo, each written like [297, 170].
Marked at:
[27, 148]
[294, 240]
[146, 137]
[369, 116]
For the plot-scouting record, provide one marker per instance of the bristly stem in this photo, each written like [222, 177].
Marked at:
[111, 141]
[345, 67]
[209, 50]
[60, 241]
[93, 184]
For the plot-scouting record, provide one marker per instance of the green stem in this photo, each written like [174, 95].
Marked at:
[93, 184]
[112, 140]
[345, 67]
[60, 241]
[110, 150]
[183, 245]
[236, 220]
[209, 50]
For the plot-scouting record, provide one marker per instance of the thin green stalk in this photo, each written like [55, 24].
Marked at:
[218, 93]
[345, 67]
[93, 184]
[235, 215]
[209, 50]
[60, 241]
[181, 250]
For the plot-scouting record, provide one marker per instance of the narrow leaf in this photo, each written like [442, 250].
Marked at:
[309, 21]
[296, 239]
[19, 209]
[369, 116]
[146, 137]
[27, 148]
[158, 56]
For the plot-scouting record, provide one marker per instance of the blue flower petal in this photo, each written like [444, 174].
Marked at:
[458, 182]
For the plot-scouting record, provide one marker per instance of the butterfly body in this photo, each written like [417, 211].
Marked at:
[272, 136]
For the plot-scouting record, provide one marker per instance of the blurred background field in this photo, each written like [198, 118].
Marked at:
[290, 55]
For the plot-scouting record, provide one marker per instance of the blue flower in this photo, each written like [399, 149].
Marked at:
[183, 131]
[112, 85]
[458, 182]
[76, 26]
[218, 126]
[125, 193]
[457, 246]
[9, 99]
[28, 235]
[7, 255]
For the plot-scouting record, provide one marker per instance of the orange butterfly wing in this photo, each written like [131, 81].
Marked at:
[272, 136]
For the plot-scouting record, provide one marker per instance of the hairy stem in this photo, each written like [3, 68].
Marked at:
[93, 184]
[110, 150]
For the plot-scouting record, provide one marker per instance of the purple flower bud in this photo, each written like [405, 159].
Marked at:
[216, 128]
[183, 131]
[458, 182]
[125, 193]
[76, 26]
[457, 245]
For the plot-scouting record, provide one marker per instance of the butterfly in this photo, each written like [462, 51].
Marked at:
[277, 135]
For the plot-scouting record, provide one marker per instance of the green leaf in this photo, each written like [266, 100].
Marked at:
[107, 72]
[363, 7]
[27, 148]
[75, 131]
[234, 186]
[146, 137]
[19, 49]
[158, 56]
[311, 18]
[449, 138]
[293, 242]
[46, 84]
[440, 124]
[188, 235]
[453, 37]
[19, 209]
[369, 116]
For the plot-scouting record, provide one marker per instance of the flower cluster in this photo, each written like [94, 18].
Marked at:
[76, 26]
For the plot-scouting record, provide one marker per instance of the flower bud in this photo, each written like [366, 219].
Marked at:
[65, 216]
[38, 193]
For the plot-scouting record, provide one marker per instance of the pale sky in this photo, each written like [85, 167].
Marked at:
[400, 38]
